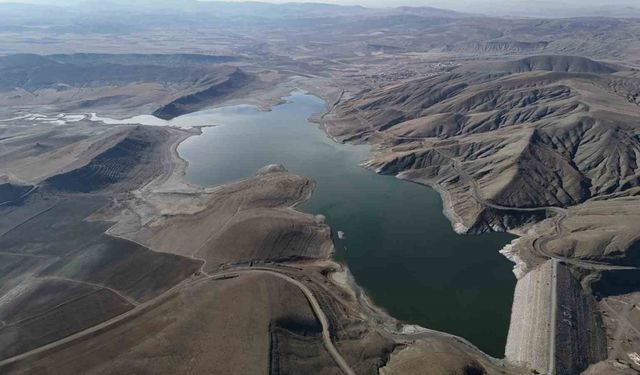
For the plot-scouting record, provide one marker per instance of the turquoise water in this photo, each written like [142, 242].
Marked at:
[398, 245]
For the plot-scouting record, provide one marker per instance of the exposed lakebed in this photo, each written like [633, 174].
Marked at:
[397, 243]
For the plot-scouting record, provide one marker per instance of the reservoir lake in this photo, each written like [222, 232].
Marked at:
[397, 243]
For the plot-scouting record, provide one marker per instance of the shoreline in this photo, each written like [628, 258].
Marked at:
[174, 180]
[519, 268]
[391, 325]
[448, 209]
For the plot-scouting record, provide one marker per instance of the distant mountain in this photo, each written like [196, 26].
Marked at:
[438, 8]
[227, 8]
[555, 9]
[550, 63]
[119, 16]
[555, 63]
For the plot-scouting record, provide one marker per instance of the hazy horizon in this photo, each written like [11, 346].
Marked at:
[535, 8]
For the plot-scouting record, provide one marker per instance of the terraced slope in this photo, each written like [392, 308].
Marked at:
[119, 163]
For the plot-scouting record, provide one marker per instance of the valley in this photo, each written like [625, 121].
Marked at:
[353, 191]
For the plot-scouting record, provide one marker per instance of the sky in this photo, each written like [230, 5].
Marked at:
[439, 3]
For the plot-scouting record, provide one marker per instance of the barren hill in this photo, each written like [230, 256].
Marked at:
[171, 84]
[545, 145]
[551, 63]
[556, 136]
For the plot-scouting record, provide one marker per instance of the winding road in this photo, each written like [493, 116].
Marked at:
[139, 308]
[319, 313]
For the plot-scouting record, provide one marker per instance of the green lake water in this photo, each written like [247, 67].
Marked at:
[399, 246]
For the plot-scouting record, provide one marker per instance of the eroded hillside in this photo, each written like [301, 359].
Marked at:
[554, 135]
[547, 146]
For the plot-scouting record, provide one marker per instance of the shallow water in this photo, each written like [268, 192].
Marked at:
[398, 244]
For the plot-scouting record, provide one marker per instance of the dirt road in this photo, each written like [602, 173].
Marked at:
[313, 302]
